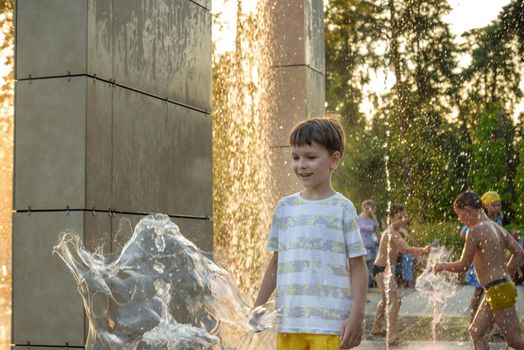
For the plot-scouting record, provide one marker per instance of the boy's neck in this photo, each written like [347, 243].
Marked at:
[393, 228]
[479, 216]
[316, 193]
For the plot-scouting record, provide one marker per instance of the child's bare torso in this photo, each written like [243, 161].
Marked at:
[388, 246]
[490, 241]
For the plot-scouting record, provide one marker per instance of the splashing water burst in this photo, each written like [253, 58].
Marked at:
[160, 293]
[436, 288]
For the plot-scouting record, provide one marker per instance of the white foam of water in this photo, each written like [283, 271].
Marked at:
[436, 288]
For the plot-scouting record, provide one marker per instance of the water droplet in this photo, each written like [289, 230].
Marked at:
[159, 267]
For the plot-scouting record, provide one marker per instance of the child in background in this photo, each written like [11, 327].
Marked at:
[493, 206]
[318, 267]
[391, 243]
[370, 231]
[484, 246]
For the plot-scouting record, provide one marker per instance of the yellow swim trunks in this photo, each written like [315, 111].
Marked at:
[304, 341]
[502, 295]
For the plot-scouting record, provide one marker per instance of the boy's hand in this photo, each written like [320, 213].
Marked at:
[427, 249]
[438, 268]
[351, 333]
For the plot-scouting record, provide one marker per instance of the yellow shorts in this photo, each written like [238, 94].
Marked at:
[304, 341]
[501, 296]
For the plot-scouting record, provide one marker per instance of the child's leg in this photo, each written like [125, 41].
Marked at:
[508, 322]
[378, 326]
[476, 298]
[395, 301]
[482, 321]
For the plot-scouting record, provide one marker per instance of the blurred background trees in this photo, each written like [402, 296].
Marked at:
[445, 120]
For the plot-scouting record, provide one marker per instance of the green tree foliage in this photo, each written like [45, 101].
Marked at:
[420, 51]
[440, 130]
[492, 152]
[352, 33]
[512, 22]
[494, 73]
[362, 174]
[421, 139]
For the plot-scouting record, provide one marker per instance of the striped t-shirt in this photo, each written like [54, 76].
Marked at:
[314, 239]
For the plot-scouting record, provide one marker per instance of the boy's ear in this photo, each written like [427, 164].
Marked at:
[336, 158]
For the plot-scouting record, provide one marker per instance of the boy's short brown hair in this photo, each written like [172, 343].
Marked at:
[326, 131]
[468, 199]
[395, 208]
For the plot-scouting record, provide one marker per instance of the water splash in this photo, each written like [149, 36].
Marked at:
[6, 166]
[243, 179]
[389, 269]
[161, 292]
[388, 279]
[436, 288]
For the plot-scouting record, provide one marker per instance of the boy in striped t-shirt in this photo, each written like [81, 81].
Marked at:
[318, 267]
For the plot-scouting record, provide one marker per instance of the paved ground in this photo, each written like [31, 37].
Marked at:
[418, 345]
[415, 322]
[414, 304]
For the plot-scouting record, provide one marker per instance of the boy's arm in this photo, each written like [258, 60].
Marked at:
[465, 260]
[406, 248]
[269, 281]
[517, 254]
[351, 333]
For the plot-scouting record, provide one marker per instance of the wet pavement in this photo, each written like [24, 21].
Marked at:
[421, 345]
[413, 304]
[414, 326]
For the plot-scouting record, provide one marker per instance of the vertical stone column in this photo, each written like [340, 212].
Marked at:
[299, 65]
[113, 101]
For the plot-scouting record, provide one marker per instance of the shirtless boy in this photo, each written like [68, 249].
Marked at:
[391, 243]
[485, 245]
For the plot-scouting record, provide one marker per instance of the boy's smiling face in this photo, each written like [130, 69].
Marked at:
[313, 164]
[399, 220]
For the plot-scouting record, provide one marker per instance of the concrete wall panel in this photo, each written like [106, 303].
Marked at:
[139, 122]
[299, 41]
[203, 3]
[163, 47]
[295, 104]
[100, 38]
[162, 157]
[315, 93]
[187, 179]
[50, 37]
[288, 35]
[314, 34]
[290, 106]
[99, 144]
[50, 143]
[47, 308]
